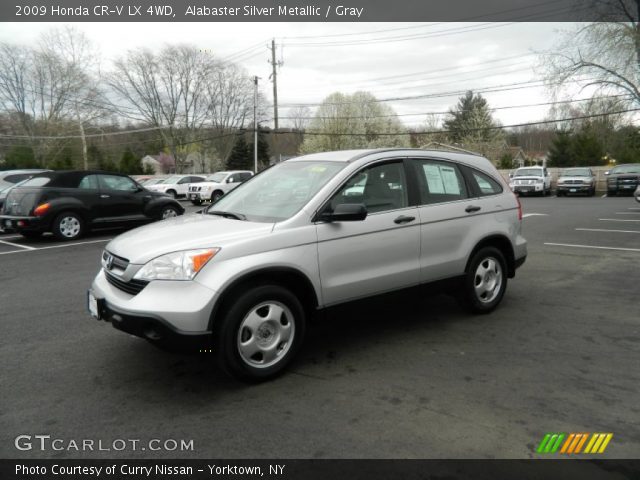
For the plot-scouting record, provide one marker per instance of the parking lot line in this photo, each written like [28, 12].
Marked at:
[16, 245]
[592, 246]
[535, 215]
[627, 213]
[616, 220]
[51, 246]
[606, 230]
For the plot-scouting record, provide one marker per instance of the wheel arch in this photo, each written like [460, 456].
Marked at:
[288, 277]
[503, 244]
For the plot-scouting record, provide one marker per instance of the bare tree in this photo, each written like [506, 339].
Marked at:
[604, 55]
[231, 96]
[47, 87]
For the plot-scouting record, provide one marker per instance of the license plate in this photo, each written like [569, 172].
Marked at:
[572, 190]
[93, 306]
[193, 196]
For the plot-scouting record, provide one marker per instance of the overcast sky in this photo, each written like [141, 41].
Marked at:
[389, 60]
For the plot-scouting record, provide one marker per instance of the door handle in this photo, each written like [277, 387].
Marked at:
[472, 208]
[105, 196]
[402, 219]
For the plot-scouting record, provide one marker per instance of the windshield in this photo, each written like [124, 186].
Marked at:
[174, 179]
[5, 185]
[627, 169]
[577, 172]
[216, 177]
[279, 192]
[529, 172]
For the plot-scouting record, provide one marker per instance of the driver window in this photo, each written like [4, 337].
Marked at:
[113, 182]
[380, 188]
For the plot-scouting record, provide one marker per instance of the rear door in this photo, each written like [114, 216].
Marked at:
[448, 215]
[378, 254]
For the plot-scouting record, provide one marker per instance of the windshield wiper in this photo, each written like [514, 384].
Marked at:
[235, 216]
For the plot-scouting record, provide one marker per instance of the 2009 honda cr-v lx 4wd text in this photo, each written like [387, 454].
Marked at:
[306, 234]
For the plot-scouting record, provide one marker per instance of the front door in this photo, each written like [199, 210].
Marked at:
[378, 254]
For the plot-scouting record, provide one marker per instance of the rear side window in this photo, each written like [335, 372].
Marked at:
[439, 181]
[485, 185]
[90, 182]
[244, 177]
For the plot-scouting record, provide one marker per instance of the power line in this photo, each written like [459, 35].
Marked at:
[447, 112]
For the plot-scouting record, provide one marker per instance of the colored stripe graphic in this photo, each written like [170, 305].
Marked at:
[598, 442]
[550, 443]
[573, 443]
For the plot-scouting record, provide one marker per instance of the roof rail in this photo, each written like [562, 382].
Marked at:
[451, 148]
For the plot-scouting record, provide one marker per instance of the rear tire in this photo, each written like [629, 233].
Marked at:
[68, 226]
[485, 282]
[173, 193]
[259, 333]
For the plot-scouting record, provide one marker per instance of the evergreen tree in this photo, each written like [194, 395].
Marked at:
[560, 153]
[240, 158]
[586, 149]
[130, 164]
[62, 161]
[20, 156]
[471, 121]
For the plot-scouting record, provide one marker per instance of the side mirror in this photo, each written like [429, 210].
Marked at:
[346, 212]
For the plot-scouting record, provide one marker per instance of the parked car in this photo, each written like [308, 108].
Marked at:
[623, 179]
[153, 181]
[177, 185]
[8, 178]
[249, 271]
[69, 203]
[216, 185]
[534, 180]
[576, 180]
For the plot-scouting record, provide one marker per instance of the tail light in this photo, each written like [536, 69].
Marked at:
[41, 209]
[519, 206]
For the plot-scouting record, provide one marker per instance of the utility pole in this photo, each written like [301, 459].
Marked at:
[255, 124]
[275, 66]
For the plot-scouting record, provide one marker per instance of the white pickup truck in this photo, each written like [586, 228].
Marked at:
[216, 185]
[535, 180]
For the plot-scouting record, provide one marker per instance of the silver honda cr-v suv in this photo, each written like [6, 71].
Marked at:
[243, 277]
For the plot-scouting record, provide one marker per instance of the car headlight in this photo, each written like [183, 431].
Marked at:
[177, 265]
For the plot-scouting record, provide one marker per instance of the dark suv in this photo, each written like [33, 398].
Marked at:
[623, 179]
[68, 203]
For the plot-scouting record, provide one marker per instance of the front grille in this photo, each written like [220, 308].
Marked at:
[574, 182]
[132, 287]
[195, 189]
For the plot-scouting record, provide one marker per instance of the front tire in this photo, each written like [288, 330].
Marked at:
[68, 226]
[168, 211]
[260, 332]
[217, 195]
[485, 281]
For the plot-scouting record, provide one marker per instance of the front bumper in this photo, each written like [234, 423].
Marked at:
[528, 188]
[197, 196]
[175, 309]
[574, 188]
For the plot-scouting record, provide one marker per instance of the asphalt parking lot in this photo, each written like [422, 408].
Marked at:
[401, 376]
